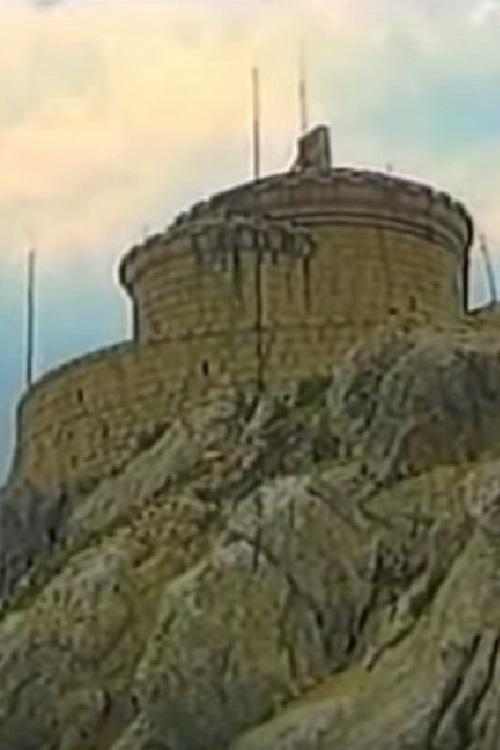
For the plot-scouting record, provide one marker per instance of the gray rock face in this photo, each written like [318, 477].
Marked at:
[315, 573]
[30, 526]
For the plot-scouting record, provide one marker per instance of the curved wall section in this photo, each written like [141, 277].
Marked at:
[369, 275]
[183, 294]
[361, 246]
[82, 422]
[349, 195]
[205, 278]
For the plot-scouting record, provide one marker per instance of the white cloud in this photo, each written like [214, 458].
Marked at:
[105, 105]
[115, 114]
[484, 11]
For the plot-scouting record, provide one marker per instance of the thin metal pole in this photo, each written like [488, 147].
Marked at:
[257, 237]
[489, 269]
[256, 122]
[30, 319]
[465, 280]
[304, 120]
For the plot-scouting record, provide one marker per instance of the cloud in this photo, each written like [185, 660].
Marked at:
[43, 4]
[104, 106]
[112, 113]
[115, 115]
[484, 11]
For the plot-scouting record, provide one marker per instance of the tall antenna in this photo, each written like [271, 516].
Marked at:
[489, 269]
[256, 122]
[304, 123]
[30, 318]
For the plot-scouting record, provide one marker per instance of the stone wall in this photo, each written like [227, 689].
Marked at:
[345, 246]
[205, 277]
[354, 275]
[361, 275]
[86, 419]
[185, 295]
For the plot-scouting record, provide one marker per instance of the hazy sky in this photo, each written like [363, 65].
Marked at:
[115, 114]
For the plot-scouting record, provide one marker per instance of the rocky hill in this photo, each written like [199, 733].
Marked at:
[310, 570]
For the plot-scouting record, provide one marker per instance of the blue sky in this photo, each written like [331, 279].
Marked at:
[115, 114]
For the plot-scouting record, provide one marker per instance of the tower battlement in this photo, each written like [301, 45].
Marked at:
[320, 197]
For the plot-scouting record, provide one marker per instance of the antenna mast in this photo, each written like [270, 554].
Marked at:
[256, 122]
[489, 269]
[304, 124]
[30, 318]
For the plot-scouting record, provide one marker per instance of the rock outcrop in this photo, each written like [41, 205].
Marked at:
[310, 570]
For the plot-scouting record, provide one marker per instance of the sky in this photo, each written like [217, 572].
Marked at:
[117, 114]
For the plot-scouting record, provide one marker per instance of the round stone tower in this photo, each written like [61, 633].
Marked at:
[257, 287]
[316, 246]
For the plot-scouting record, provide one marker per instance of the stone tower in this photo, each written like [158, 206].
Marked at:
[259, 285]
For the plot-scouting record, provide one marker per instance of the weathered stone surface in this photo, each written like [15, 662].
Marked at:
[319, 572]
[269, 283]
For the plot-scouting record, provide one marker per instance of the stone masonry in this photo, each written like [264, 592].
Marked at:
[252, 289]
